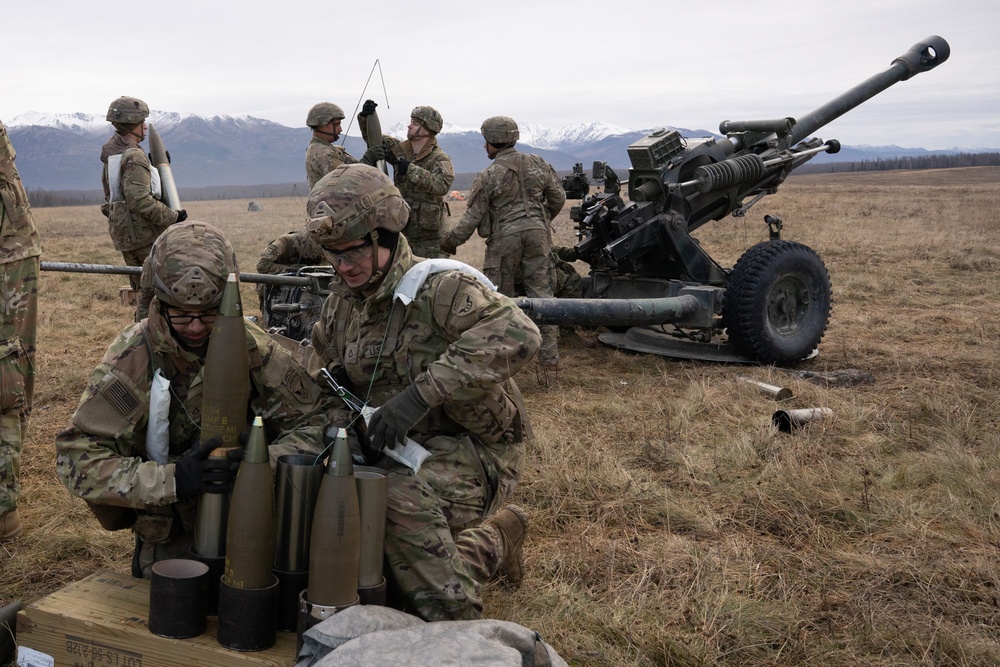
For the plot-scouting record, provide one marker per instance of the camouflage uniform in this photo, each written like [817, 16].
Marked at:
[322, 157]
[136, 222]
[290, 252]
[427, 180]
[566, 281]
[101, 457]
[19, 261]
[285, 254]
[511, 205]
[459, 343]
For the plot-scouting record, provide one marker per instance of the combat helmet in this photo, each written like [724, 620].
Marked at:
[188, 265]
[500, 130]
[429, 116]
[323, 113]
[354, 201]
[127, 111]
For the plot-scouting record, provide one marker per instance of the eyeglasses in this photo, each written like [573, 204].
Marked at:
[207, 318]
[352, 255]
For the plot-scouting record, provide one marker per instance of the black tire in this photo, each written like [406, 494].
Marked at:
[777, 302]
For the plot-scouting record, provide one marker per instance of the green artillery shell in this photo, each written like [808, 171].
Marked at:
[250, 532]
[225, 392]
[335, 544]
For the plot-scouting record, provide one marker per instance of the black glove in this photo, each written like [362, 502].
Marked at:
[390, 157]
[401, 166]
[197, 473]
[448, 246]
[393, 420]
[373, 155]
[182, 215]
[368, 109]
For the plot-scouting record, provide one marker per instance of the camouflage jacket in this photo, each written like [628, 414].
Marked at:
[518, 192]
[457, 341]
[135, 222]
[101, 457]
[290, 252]
[322, 157]
[18, 235]
[428, 179]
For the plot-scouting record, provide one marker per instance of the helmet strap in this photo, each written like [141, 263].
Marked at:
[377, 272]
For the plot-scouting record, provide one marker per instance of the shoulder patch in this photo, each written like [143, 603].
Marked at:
[463, 305]
[295, 383]
[120, 397]
[112, 408]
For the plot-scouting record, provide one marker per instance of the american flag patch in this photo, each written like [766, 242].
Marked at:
[120, 397]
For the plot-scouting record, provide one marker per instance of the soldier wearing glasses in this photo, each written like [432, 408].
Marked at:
[104, 455]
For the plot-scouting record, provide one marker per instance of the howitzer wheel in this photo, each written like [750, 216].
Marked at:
[777, 302]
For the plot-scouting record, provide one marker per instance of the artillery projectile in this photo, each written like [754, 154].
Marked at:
[335, 544]
[159, 160]
[248, 594]
[374, 132]
[225, 392]
[250, 530]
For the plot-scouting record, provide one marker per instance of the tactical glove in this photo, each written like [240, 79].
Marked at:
[373, 155]
[368, 109]
[393, 420]
[197, 473]
[401, 166]
[448, 246]
[390, 157]
[182, 215]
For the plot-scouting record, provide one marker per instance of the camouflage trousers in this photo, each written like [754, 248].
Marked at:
[136, 258]
[523, 258]
[438, 552]
[19, 302]
[428, 248]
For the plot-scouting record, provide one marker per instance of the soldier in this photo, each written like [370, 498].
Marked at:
[290, 252]
[322, 156]
[286, 254]
[422, 172]
[511, 205]
[132, 205]
[19, 263]
[436, 348]
[102, 456]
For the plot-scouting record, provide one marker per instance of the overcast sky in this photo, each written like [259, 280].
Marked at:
[637, 65]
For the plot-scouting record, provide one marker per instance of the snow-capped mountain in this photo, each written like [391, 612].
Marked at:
[61, 151]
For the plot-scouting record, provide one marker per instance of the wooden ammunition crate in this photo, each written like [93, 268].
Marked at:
[102, 621]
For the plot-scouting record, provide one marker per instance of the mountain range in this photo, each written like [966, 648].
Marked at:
[62, 151]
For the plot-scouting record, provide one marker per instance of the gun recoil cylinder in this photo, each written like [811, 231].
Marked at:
[726, 174]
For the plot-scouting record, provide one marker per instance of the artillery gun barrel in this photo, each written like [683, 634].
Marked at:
[922, 57]
[610, 312]
[265, 278]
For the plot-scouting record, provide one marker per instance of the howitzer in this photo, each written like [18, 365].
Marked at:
[774, 304]
[646, 270]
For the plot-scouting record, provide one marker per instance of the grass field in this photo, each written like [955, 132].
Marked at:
[671, 524]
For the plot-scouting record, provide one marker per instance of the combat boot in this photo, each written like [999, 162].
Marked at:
[10, 525]
[512, 524]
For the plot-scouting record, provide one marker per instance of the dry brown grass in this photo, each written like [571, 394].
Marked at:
[670, 523]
